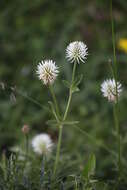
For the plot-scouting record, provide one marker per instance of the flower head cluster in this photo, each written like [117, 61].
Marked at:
[47, 71]
[42, 144]
[76, 51]
[110, 90]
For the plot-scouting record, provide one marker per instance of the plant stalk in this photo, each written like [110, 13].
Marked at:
[54, 100]
[116, 114]
[27, 144]
[58, 149]
[70, 92]
[64, 118]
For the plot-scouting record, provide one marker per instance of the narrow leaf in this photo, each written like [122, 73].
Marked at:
[90, 167]
[52, 122]
[70, 122]
[66, 84]
[78, 80]
[75, 89]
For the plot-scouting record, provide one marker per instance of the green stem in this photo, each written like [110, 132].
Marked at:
[70, 92]
[116, 104]
[54, 100]
[4, 165]
[113, 43]
[118, 137]
[111, 68]
[57, 115]
[27, 144]
[73, 73]
[68, 104]
[58, 149]
[76, 184]
[64, 118]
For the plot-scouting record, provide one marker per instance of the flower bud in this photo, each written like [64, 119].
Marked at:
[25, 129]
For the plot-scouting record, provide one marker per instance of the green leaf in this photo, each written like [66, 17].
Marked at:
[76, 83]
[90, 167]
[52, 122]
[52, 108]
[93, 180]
[66, 83]
[78, 80]
[75, 89]
[55, 123]
[70, 122]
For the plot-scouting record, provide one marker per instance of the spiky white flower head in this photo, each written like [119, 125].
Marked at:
[47, 71]
[42, 144]
[76, 51]
[108, 88]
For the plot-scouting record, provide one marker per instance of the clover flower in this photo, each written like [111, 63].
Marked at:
[42, 144]
[76, 51]
[47, 71]
[108, 88]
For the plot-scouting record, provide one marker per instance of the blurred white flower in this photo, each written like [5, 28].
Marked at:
[42, 144]
[76, 51]
[108, 88]
[47, 71]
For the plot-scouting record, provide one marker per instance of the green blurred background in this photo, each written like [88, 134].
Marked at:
[34, 30]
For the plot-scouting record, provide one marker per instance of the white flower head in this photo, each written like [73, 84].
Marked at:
[108, 88]
[42, 144]
[76, 51]
[47, 71]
